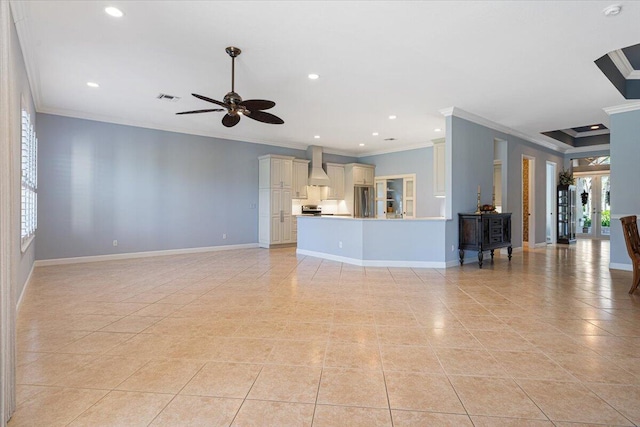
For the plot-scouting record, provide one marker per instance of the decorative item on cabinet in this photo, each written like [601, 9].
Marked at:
[566, 214]
[482, 232]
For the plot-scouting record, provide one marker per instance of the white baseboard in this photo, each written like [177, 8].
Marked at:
[540, 245]
[132, 255]
[372, 263]
[24, 287]
[620, 266]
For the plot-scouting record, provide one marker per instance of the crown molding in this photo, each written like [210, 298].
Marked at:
[593, 133]
[588, 148]
[396, 150]
[19, 10]
[624, 108]
[458, 112]
[113, 120]
[118, 121]
[621, 62]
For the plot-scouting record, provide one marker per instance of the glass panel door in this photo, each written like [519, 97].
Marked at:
[381, 198]
[593, 207]
[409, 199]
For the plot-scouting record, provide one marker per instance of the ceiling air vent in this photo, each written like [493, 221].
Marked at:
[166, 97]
[390, 139]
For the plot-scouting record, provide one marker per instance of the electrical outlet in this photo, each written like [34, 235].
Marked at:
[224, 235]
[252, 205]
[115, 243]
[340, 244]
[453, 248]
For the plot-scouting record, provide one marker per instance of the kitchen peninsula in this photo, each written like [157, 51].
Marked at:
[373, 242]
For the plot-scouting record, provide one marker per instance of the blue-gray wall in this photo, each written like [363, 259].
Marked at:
[472, 150]
[625, 177]
[148, 189]
[21, 98]
[418, 161]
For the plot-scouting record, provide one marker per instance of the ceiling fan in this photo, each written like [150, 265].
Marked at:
[235, 106]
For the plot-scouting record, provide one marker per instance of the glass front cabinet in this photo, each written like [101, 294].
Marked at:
[566, 213]
[395, 196]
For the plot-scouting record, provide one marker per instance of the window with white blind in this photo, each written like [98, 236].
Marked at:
[29, 199]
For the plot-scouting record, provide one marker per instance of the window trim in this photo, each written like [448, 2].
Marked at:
[28, 181]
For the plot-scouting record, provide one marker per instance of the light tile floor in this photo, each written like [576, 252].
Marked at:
[264, 338]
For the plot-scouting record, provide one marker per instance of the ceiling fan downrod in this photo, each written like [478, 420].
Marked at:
[233, 52]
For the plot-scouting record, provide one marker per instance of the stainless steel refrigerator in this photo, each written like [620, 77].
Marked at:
[364, 202]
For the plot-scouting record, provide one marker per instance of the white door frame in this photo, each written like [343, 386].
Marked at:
[532, 204]
[552, 203]
[596, 232]
[7, 217]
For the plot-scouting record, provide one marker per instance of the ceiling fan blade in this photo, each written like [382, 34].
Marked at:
[230, 121]
[263, 117]
[257, 104]
[201, 111]
[204, 98]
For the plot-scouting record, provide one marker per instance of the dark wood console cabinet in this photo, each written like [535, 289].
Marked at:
[483, 232]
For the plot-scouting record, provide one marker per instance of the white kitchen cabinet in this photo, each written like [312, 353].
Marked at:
[300, 178]
[369, 175]
[335, 172]
[362, 174]
[276, 171]
[439, 189]
[275, 193]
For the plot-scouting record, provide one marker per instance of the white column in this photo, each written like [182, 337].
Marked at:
[7, 234]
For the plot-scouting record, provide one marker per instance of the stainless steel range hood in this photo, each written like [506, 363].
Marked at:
[317, 175]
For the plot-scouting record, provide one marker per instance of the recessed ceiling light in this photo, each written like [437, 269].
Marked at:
[437, 130]
[113, 11]
[594, 127]
[92, 84]
[313, 76]
[361, 145]
[316, 136]
[392, 117]
[375, 134]
[612, 10]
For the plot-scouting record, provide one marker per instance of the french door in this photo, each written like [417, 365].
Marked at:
[593, 209]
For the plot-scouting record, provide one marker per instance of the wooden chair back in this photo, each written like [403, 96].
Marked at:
[632, 239]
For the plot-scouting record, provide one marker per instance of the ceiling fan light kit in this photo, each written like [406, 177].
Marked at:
[233, 104]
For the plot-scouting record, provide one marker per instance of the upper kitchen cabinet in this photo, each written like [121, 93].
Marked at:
[335, 172]
[362, 174]
[300, 178]
[276, 171]
[439, 189]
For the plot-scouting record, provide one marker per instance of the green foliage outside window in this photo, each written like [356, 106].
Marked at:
[606, 218]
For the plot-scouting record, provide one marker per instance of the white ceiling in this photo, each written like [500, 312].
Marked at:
[527, 65]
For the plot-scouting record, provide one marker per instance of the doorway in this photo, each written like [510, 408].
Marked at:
[528, 201]
[551, 204]
[395, 196]
[593, 209]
